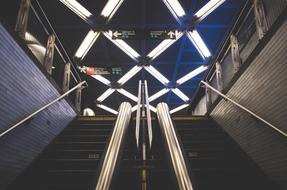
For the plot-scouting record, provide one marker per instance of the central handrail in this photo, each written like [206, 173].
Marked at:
[113, 149]
[245, 109]
[174, 148]
[42, 108]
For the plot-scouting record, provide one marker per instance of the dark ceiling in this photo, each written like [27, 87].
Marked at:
[178, 60]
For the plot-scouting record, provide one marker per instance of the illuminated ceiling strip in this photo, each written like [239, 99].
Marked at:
[87, 43]
[157, 75]
[128, 94]
[153, 109]
[192, 74]
[178, 108]
[107, 109]
[105, 95]
[129, 75]
[135, 108]
[158, 94]
[199, 44]
[77, 8]
[163, 46]
[175, 8]
[123, 46]
[102, 79]
[110, 8]
[180, 94]
[207, 9]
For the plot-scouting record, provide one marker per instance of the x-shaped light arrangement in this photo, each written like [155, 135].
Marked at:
[178, 12]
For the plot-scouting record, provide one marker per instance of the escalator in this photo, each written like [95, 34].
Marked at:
[71, 160]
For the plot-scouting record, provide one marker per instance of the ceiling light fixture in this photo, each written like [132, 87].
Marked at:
[178, 108]
[87, 43]
[110, 8]
[123, 46]
[107, 109]
[163, 46]
[207, 9]
[158, 94]
[129, 75]
[128, 94]
[199, 43]
[102, 79]
[77, 8]
[175, 8]
[192, 74]
[157, 75]
[180, 94]
[106, 94]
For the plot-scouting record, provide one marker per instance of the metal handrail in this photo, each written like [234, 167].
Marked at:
[149, 126]
[42, 108]
[245, 109]
[137, 131]
[174, 148]
[112, 152]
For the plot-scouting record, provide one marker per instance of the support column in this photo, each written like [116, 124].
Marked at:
[49, 56]
[219, 80]
[236, 60]
[78, 99]
[260, 18]
[22, 18]
[208, 98]
[66, 78]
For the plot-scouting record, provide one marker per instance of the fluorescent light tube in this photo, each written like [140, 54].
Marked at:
[191, 74]
[135, 108]
[163, 46]
[129, 75]
[87, 43]
[207, 9]
[180, 94]
[77, 8]
[110, 8]
[175, 8]
[199, 44]
[153, 109]
[106, 94]
[102, 79]
[178, 108]
[107, 109]
[157, 75]
[123, 46]
[127, 94]
[158, 94]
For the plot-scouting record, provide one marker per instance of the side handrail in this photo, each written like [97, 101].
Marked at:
[149, 126]
[112, 152]
[174, 148]
[42, 108]
[245, 109]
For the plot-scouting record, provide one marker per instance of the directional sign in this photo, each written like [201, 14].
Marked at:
[144, 34]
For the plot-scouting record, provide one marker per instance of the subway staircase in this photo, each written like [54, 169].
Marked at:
[71, 161]
[216, 161]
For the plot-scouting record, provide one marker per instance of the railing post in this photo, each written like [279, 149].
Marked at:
[220, 84]
[208, 98]
[236, 60]
[260, 18]
[49, 55]
[66, 78]
[78, 99]
[22, 18]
